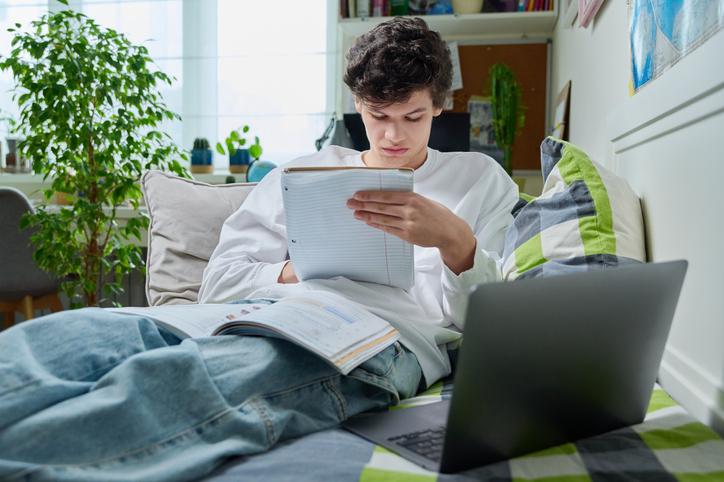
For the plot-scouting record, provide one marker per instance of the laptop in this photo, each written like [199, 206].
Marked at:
[544, 361]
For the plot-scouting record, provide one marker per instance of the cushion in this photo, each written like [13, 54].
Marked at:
[586, 218]
[186, 217]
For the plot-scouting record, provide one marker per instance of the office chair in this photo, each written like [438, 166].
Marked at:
[23, 286]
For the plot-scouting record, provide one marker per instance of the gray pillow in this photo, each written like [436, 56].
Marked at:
[185, 222]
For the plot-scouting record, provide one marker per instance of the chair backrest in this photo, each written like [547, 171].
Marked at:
[19, 274]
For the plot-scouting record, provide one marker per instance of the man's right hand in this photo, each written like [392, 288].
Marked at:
[288, 275]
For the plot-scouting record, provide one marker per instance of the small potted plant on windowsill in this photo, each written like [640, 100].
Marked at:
[202, 158]
[239, 158]
[10, 157]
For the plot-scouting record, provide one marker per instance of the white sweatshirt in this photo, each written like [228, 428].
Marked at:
[252, 251]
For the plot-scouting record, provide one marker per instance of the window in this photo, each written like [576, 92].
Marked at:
[11, 12]
[273, 72]
[266, 63]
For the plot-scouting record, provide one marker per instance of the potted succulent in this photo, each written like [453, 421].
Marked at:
[507, 106]
[202, 157]
[90, 115]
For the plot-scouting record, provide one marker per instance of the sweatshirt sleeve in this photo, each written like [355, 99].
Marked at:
[252, 249]
[494, 197]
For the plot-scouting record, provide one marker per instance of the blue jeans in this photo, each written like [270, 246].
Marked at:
[92, 395]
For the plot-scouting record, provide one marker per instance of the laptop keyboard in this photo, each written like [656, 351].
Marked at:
[427, 443]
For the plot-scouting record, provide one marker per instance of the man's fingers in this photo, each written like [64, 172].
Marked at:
[381, 219]
[388, 197]
[375, 207]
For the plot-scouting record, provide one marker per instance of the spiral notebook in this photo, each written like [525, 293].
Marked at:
[325, 240]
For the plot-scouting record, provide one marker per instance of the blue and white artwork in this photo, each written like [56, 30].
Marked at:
[664, 31]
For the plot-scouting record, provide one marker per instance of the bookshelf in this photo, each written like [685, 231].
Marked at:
[480, 26]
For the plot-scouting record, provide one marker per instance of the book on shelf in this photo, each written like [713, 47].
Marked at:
[363, 8]
[325, 240]
[343, 9]
[384, 8]
[338, 330]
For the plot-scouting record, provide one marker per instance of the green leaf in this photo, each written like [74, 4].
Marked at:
[255, 151]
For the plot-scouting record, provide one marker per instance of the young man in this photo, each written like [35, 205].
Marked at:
[90, 395]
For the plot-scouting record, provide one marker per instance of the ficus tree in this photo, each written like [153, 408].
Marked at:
[90, 112]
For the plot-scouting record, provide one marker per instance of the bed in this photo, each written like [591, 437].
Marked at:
[668, 446]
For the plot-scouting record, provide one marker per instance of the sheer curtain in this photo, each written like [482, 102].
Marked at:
[266, 63]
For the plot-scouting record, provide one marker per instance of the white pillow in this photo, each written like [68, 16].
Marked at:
[186, 220]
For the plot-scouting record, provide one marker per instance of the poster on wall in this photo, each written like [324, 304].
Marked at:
[662, 32]
[482, 135]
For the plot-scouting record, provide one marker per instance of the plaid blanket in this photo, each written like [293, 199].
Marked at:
[668, 446]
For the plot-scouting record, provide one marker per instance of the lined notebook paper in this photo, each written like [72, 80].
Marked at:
[325, 240]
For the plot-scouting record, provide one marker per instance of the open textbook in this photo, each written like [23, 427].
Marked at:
[325, 239]
[337, 330]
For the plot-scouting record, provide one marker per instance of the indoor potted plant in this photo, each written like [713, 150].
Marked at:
[239, 158]
[10, 156]
[202, 157]
[89, 116]
[507, 109]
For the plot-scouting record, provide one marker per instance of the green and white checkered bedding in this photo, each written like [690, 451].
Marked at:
[668, 446]
[587, 218]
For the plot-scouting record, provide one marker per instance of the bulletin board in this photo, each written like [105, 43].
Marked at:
[529, 64]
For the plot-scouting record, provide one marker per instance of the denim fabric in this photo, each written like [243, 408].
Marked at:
[92, 395]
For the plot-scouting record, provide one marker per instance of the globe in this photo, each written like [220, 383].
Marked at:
[258, 170]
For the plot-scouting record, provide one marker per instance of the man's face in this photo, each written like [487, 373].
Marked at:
[398, 133]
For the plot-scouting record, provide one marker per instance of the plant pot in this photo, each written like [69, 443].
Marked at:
[239, 161]
[11, 159]
[258, 170]
[10, 162]
[467, 6]
[202, 161]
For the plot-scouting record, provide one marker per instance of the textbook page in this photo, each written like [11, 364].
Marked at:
[325, 239]
[191, 320]
[338, 330]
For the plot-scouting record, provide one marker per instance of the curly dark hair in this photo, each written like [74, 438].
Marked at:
[396, 58]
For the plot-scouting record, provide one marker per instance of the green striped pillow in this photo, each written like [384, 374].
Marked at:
[586, 218]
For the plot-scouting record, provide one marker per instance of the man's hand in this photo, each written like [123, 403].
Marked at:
[288, 275]
[420, 221]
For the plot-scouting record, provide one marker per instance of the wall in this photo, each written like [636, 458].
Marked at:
[595, 60]
[667, 142]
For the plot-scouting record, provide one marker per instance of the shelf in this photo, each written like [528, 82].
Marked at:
[471, 26]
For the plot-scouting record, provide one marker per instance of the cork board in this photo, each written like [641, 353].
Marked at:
[528, 62]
